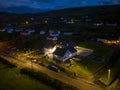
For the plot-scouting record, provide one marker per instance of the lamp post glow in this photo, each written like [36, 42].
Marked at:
[109, 74]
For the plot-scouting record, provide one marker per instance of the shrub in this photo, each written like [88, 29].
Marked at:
[9, 64]
[59, 85]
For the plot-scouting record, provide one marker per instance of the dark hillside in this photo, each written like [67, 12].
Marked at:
[109, 12]
[106, 13]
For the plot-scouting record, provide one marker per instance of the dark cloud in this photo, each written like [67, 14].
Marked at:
[45, 1]
[3, 4]
[11, 3]
[54, 4]
[22, 9]
[110, 2]
[115, 1]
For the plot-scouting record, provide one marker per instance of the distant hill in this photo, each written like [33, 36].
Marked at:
[108, 13]
[22, 10]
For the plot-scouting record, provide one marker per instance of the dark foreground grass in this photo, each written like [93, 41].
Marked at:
[11, 79]
[59, 85]
[113, 74]
[7, 63]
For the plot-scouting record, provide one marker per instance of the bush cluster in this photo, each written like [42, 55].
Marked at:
[9, 64]
[59, 85]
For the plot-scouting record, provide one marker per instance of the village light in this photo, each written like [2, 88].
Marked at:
[54, 49]
[45, 21]
[50, 50]
[26, 22]
[34, 60]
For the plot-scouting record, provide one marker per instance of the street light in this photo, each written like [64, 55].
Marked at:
[109, 74]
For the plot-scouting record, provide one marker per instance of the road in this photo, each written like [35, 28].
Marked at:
[78, 82]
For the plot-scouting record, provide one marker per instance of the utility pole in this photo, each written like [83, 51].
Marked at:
[109, 72]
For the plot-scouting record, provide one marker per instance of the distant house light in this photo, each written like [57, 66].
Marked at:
[26, 22]
[18, 30]
[52, 38]
[68, 33]
[45, 21]
[42, 32]
[10, 30]
[98, 24]
[2, 30]
[111, 24]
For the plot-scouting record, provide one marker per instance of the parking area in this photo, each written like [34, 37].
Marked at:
[83, 51]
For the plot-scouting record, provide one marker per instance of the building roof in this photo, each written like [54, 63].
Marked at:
[61, 51]
[71, 49]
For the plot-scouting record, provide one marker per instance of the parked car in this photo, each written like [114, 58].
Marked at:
[54, 68]
[41, 63]
[34, 61]
[61, 68]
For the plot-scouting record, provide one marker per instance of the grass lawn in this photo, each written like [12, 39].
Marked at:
[87, 67]
[80, 70]
[100, 50]
[11, 79]
[113, 73]
[115, 85]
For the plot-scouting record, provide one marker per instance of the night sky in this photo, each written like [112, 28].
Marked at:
[51, 4]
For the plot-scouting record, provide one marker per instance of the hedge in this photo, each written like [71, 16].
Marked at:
[9, 64]
[59, 85]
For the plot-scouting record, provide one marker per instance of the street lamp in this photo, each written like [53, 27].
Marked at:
[109, 74]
